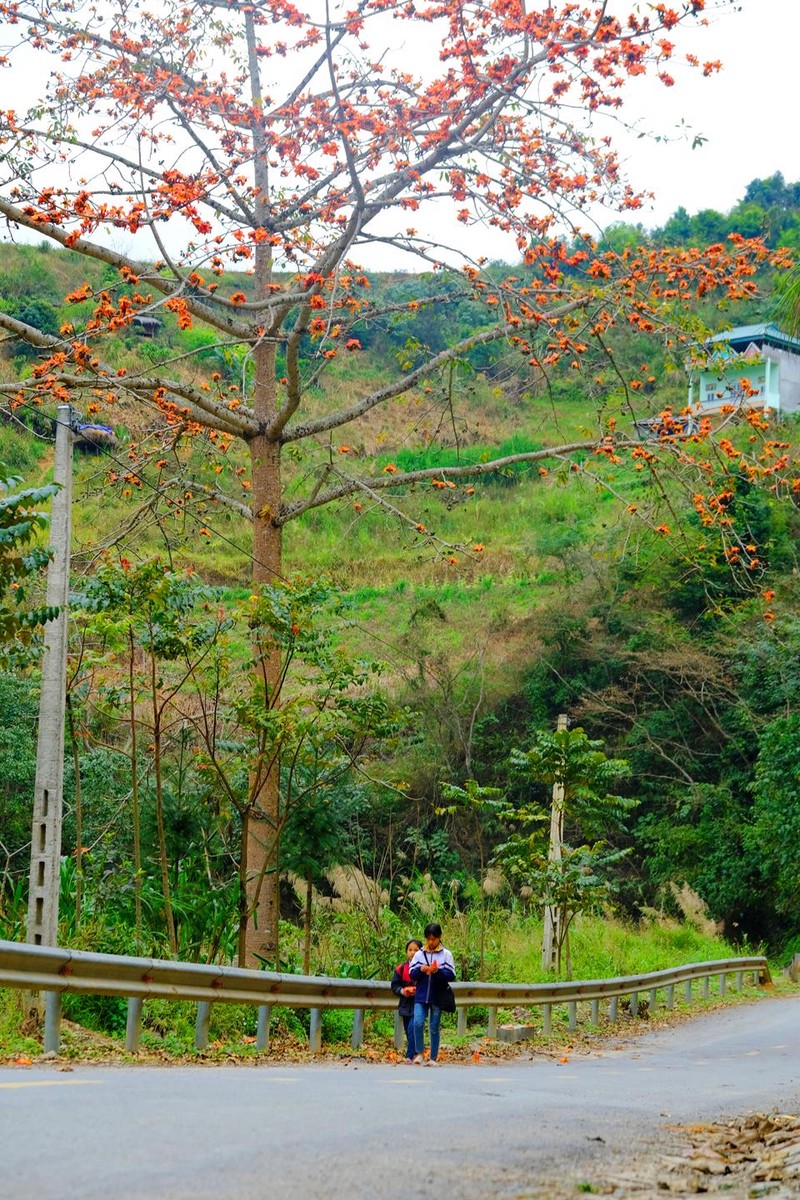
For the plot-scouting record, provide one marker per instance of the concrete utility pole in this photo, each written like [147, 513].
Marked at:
[42, 927]
[552, 915]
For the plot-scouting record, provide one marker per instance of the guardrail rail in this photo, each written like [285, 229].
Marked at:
[54, 971]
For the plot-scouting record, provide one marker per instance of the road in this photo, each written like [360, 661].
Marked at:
[364, 1131]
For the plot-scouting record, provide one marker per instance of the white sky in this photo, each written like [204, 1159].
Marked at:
[748, 112]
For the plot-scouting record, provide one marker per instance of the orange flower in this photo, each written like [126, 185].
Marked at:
[478, 547]
[390, 469]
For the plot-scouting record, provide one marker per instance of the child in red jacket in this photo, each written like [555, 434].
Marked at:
[404, 988]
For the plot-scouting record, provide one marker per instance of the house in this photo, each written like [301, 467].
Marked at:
[95, 437]
[146, 326]
[666, 425]
[752, 366]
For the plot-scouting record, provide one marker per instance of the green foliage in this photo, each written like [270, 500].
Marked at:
[19, 705]
[22, 560]
[579, 765]
[774, 838]
[658, 648]
[43, 317]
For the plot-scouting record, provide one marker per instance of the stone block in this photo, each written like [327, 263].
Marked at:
[515, 1033]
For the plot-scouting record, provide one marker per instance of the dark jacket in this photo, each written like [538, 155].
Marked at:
[401, 979]
[430, 987]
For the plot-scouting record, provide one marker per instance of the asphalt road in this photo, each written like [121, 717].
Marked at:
[372, 1132]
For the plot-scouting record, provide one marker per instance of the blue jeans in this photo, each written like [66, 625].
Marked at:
[411, 1043]
[420, 1014]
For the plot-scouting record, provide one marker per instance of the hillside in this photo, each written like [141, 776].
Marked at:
[493, 606]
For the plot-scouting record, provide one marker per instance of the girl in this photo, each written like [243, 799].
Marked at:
[403, 987]
[432, 969]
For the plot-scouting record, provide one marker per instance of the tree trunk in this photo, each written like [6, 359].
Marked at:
[262, 843]
[307, 926]
[160, 826]
[135, 814]
[76, 764]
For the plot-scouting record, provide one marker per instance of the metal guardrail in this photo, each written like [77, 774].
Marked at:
[54, 971]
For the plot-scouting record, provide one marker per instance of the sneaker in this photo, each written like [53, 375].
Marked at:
[417, 1060]
[431, 1063]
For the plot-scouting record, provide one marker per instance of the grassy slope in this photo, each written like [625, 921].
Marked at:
[530, 527]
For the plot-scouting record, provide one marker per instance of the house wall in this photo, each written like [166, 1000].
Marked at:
[789, 381]
[776, 376]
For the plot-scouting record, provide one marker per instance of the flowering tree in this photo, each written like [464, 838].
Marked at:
[292, 140]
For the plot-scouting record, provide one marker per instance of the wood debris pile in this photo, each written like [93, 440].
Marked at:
[744, 1159]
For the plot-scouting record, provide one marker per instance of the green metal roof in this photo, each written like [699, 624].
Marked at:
[742, 336]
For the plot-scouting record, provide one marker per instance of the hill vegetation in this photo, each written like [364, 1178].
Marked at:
[456, 624]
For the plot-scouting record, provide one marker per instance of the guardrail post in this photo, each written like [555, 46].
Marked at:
[595, 1013]
[706, 987]
[723, 984]
[613, 1008]
[634, 1002]
[572, 1010]
[652, 1005]
[547, 1019]
[358, 1028]
[201, 1024]
[461, 1028]
[133, 1025]
[670, 995]
[52, 1022]
[492, 1029]
[262, 1028]
[739, 980]
[687, 991]
[399, 1032]
[315, 1031]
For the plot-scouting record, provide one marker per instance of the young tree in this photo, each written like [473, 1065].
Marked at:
[152, 618]
[295, 141]
[479, 803]
[567, 880]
